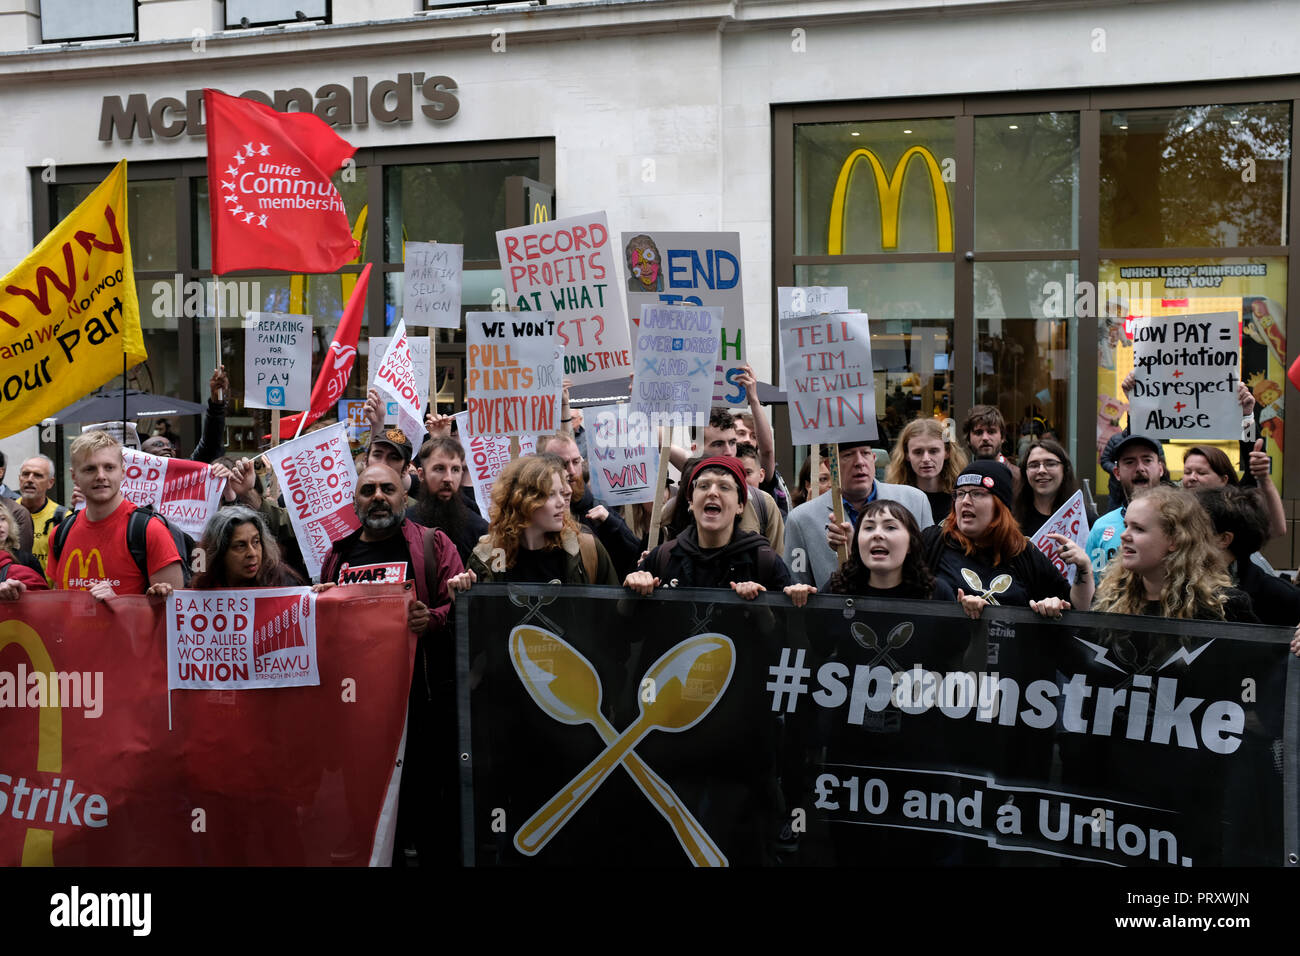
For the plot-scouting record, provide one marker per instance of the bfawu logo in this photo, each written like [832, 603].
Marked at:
[75, 908]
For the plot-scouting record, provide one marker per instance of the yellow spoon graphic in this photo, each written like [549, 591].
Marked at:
[677, 706]
[564, 684]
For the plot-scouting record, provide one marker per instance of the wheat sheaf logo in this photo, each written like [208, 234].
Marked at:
[258, 183]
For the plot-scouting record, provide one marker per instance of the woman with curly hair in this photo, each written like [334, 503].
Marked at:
[532, 536]
[239, 551]
[1169, 565]
[1047, 482]
[886, 558]
[923, 459]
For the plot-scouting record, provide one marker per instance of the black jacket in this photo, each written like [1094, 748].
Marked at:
[748, 557]
[623, 546]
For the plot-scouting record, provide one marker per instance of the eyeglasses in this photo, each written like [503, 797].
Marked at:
[976, 493]
[1043, 464]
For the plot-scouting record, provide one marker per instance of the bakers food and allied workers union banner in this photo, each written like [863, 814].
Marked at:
[693, 268]
[101, 766]
[182, 491]
[68, 312]
[692, 727]
[317, 477]
[566, 267]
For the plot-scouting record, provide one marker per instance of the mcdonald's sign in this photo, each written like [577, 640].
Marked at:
[38, 843]
[889, 194]
[541, 213]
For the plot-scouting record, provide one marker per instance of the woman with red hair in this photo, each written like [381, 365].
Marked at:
[981, 552]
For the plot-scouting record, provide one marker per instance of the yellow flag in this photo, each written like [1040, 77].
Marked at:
[68, 312]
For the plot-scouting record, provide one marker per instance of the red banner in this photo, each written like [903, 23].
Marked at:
[100, 768]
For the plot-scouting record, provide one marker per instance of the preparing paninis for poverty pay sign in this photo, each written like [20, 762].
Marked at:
[227, 641]
[623, 455]
[829, 378]
[1185, 374]
[317, 478]
[277, 360]
[431, 283]
[184, 492]
[513, 373]
[566, 267]
[1070, 521]
[676, 355]
[486, 456]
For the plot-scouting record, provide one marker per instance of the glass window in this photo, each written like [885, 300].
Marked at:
[86, 19]
[151, 213]
[1195, 176]
[1027, 181]
[258, 12]
[878, 187]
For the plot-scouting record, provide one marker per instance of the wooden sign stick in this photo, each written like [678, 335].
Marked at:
[657, 511]
[837, 497]
[275, 426]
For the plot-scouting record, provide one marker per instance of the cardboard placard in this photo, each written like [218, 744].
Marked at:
[431, 285]
[513, 373]
[622, 455]
[1185, 374]
[277, 361]
[832, 389]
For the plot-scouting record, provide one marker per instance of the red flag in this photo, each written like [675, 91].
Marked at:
[337, 365]
[1293, 373]
[271, 202]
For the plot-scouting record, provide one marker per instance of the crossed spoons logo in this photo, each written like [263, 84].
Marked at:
[566, 686]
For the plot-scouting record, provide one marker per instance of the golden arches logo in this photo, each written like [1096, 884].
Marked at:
[541, 213]
[84, 562]
[889, 193]
[38, 845]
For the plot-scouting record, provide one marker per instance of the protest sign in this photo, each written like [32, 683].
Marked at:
[182, 491]
[1071, 521]
[806, 300]
[1185, 374]
[68, 312]
[277, 360]
[398, 383]
[317, 478]
[485, 457]
[676, 355]
[222, 640]
[565, 269]
[128, 436]
[828, 371]
[268, 768]
[622, 454]
[513, 373]
[693, 268]
[421, 354]
[431, 284]
[351, 412]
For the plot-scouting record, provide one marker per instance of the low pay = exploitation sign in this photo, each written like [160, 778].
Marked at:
[1186, 369]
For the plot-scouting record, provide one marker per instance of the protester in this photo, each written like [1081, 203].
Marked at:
[1169, 565]
[810, 559]
[15, 575]
[804, 494]
[923, 459]
[240, 552]
[440, 504]
[1139, 465]
[887, 558]
[212, 442]
[770, 517]
[718, 437]
[758, 514]
[982, 554]
[712, 552]
[35, 480]
[1048, 483]
[1206, 466]
[1240, 524]
[985, 431]
[752, 426]
[22, 520]
[532, 536]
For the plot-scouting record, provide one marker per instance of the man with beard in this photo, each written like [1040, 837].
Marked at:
[1139, 465]
[985, 431]
[610, 529]
[389, 548]
[441, 504]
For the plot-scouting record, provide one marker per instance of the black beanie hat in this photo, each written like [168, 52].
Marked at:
[993, 475]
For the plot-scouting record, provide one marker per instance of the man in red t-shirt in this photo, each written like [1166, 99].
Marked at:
[95, 556]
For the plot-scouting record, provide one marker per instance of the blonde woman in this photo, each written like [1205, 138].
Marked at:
[1168, 564]
[921, 458]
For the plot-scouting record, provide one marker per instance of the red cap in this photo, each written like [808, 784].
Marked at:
[729, 463]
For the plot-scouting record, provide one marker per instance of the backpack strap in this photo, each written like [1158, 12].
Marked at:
[61, 535]
[587, 551]
[662, 554]
[137, 538]
[760, 508]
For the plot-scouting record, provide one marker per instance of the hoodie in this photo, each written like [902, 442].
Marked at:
[682, 563]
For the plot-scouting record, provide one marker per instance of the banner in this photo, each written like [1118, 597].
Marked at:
[566, 267]
[101, 766]
[805, 300]
[397, 381]
[889, 732]
[271, 202]
[68, 311]
[1186, 370]
[182, 491]
[223, 640]
[420, 360]
[831, 384]
[693, 268]
[513, 373]
[431, 284]
[622, 454]
[317, 479]
[1071, 521]
[676, 353]
[486, 457]
[277, 360]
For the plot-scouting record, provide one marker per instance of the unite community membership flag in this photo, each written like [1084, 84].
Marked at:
[68, 312]
[271, 202]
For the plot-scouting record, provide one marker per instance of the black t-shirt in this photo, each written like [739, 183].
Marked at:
[940, 504]
[1033, 577]
[1236, 608]
[942, 592]
[377, 562]
[537, 567]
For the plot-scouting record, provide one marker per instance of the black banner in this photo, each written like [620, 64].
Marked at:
[695, 727]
